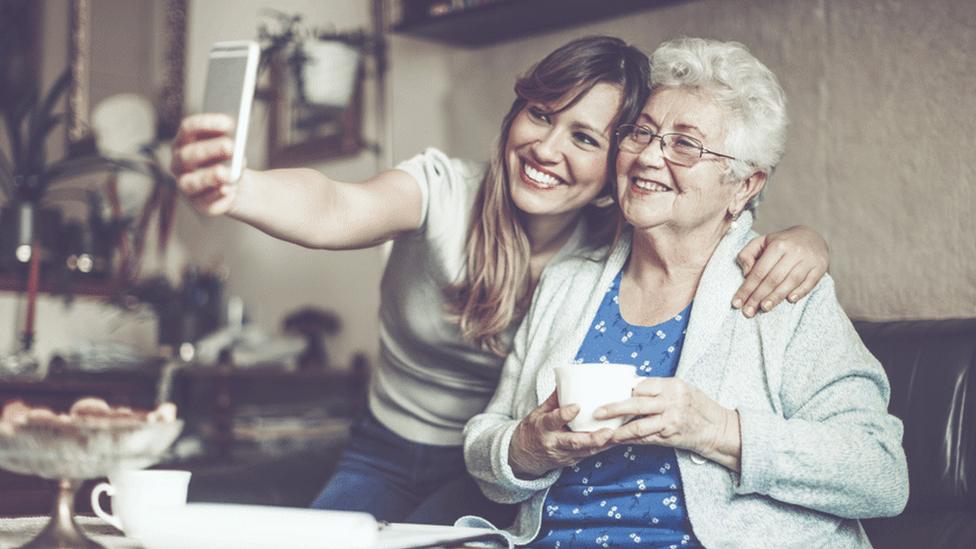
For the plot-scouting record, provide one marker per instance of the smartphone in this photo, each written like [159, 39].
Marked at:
[231, 75]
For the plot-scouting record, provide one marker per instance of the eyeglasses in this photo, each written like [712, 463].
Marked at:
[676, 147]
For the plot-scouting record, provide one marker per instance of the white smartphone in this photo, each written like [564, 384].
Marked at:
[231, 75]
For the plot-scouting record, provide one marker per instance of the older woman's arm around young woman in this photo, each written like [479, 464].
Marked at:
[770, 431]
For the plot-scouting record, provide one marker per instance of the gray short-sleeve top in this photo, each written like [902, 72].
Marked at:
[429, 382]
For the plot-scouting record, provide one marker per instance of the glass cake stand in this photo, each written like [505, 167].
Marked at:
[72, 452]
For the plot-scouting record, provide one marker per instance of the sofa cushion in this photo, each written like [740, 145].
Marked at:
[932, 368]
[928, 529]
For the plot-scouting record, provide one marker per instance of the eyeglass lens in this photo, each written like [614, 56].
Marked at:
[676, 147]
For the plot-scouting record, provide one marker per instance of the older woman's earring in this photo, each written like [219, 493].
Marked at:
[735, 221]
[602, 201]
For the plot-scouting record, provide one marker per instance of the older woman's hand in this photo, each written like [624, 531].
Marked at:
[670, 412]
[785, 264]
[542, 443]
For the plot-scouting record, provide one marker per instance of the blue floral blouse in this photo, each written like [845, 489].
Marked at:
[628, 495]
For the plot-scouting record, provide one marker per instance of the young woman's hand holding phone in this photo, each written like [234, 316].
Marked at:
[201, 149]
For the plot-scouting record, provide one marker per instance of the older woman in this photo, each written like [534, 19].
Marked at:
[769, 431]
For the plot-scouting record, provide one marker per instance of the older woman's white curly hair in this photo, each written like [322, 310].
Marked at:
[742, 85]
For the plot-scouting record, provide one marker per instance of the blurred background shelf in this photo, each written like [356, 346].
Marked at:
[261, 434]
[473, 23]
[92, 288]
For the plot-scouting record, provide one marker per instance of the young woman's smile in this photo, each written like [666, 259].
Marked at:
[557, 159]
[535, 175]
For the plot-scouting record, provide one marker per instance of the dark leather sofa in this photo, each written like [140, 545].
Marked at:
[932, 368]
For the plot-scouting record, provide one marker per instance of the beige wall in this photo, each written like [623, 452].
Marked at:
[274, 277]
[880, 157]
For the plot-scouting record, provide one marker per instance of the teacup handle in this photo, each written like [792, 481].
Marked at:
[97, 508]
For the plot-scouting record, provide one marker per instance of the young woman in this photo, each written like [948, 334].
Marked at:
[470, 243]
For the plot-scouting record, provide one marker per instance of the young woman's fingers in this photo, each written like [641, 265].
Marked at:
[792, 285]
[809, 283]
[202, 153]
[750, 253]
[756, 275]
[763, 297]
[203, 180]
[205, 125]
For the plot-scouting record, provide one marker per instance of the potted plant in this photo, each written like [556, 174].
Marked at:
[27, 175]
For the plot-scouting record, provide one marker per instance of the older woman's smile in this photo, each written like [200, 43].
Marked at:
[654, 190]
[643, 186]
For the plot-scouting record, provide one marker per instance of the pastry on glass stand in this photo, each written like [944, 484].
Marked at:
[92, 440]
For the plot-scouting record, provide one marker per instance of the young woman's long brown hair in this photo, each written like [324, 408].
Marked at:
[496, 288]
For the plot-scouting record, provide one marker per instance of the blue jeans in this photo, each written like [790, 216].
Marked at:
[397, 480]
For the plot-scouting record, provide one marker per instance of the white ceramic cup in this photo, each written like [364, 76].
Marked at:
[593, 385]
[138, 496]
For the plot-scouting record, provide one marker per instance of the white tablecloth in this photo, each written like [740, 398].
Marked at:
[15, 532]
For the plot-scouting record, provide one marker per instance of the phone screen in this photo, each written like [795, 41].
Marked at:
[230, 89]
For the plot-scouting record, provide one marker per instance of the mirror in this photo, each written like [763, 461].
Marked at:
[125, 46]
[127, 77]
[81, 215]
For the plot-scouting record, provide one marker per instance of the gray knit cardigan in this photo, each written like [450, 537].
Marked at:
[819, 449]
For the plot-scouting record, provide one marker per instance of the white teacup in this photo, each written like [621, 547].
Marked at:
[139, 496]
[593, 385]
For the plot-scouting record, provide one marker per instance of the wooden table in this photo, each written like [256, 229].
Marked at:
[15, 532]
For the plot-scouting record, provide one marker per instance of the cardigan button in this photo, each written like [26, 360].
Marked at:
[697, 459]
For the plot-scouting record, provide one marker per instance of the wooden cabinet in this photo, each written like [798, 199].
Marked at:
[211, 400]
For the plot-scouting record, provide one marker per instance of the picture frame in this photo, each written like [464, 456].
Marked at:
[302, 132]
[90, 36]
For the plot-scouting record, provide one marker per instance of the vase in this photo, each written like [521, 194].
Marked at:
[329, 73]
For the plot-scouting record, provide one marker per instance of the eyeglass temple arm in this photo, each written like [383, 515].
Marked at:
[704, 150]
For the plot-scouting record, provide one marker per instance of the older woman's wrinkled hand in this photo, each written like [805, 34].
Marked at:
[671, 412]
[542, 442]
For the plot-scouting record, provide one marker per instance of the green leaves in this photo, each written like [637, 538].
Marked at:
[6, 175]
[25, 174]
[29, 121]
[41, 122]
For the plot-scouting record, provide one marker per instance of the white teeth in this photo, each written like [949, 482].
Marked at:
[651, 186]
[539, 177]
